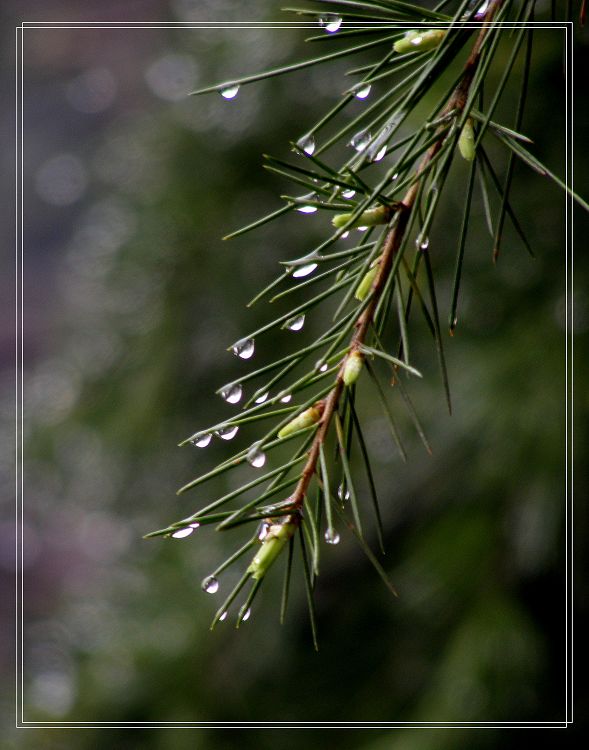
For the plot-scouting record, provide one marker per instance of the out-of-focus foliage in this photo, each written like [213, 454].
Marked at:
[131, 301]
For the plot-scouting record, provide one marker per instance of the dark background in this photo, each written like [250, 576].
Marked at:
[130, 300]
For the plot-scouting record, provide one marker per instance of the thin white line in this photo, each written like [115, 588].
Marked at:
[20, 381]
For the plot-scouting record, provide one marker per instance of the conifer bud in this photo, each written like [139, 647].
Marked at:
[466, 141]
[370, 218]
[365, 285]
[353, 368]
[419, 41]
[309, 417]
[276, 537]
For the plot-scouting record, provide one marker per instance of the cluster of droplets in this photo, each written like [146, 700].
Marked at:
[295, 324]
[244, 348]
[331, 22]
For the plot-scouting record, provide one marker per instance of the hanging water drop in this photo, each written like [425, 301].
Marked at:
[223, 616]
[320, 366]
[380, 154]
[232, 393]
[307, 144]
[330, 22]
[348, 193]
[246, 615]
[422, 242]
[227, 433]
[361, 140]
[304, 270]
[244, 348]
[482, 10]
[362, 91]
[343, 493]
[256, 457]
[262, 398]
[417, 40]
[229, 91]
[345, 235]
[331, 536]
[183, 533]
[307, 209]
[201, 441]
[210, 584]
[296, 323]
[362, 229]
[286, 399]
[263, 533]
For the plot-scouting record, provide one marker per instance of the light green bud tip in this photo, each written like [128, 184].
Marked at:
[273, 544]
[419, 41]
[370, 218]
[365, 285]
[466, 141]
[306, 419]
[353, 368]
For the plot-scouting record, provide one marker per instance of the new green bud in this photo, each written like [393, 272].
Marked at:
[353, 368]
[277, 536]
[309, 417]
[370, 218]
[466, 141]
[365, 285]
[419, 41]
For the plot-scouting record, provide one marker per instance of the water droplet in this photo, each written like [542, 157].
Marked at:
[256, 457]
[307, 209]
[232, 393]
[194, 525]
[331, 536]
[422, 242]
[345, 235]
[394, 177]
[244, 348]
[262, 398]
[362, 91]
[246, 615]
[362, 229]
[263, 533]
[361, 140]
[320, 365]
[210, 584]
[228, 433]
[229, 91]
[343, 494]
[348, 193]
[330, 22]
[201, 441]
[304, 270]
[296, 323]
[417, 40]
[286, 399]
[380, 154]
[482, 10]
[183, 533]
[223, 616]
[307, 144]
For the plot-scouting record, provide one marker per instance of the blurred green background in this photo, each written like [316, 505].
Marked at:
[131, 299]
